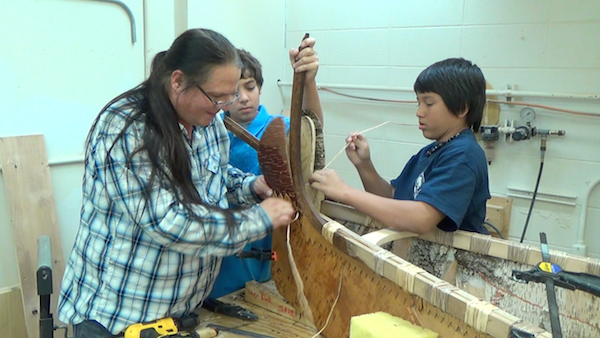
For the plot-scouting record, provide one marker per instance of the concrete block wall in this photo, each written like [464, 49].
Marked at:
[540, 46]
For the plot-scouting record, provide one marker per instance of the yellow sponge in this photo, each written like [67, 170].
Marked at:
[384, 325]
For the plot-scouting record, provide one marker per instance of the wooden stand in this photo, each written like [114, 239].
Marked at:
[271, 321]
[266, 296]
[33, 214]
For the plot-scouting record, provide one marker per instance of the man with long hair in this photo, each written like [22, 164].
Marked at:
[157, 187]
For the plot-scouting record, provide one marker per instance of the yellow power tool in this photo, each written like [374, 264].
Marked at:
[168, 328]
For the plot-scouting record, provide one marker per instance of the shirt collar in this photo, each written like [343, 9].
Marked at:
[438, 145]
[259, 121]
[197, 129]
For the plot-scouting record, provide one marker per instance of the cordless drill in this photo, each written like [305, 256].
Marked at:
[164, 327]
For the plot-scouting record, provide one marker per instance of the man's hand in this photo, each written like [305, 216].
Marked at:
[331, 184]
[280, 211]
[305, 60]
[261, 188]
[357, 149]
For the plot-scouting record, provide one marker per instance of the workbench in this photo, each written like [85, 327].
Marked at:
[269, 323]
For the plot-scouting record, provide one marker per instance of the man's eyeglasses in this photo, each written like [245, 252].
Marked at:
[219, 104]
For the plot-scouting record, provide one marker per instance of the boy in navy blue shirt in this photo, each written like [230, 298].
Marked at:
[444, 185]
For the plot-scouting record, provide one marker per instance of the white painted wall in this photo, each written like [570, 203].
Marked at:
[539, 45]
[61, 61]
[257, 27]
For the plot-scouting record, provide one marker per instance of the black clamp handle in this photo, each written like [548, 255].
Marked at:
[261, 255]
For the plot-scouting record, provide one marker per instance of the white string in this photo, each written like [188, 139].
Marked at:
[440, 292]
[333, 306]
[329, 229]
[477, 313]
[304, 307]
[593, 266]
[380, 257]
[405, 276]
[365, 131]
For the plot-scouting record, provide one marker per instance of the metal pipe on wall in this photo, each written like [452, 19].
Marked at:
[580, 246]
[129, 13]
[505, 92]
[63, 161]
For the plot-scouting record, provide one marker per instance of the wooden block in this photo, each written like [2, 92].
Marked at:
[12, 321]
[33, 213]
[462, 240]
[450, 274]
[494, 214]
[266, 296]
[498, 211]
[401, 247]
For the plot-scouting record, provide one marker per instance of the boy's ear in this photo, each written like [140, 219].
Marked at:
[259, 90]
[464, 113]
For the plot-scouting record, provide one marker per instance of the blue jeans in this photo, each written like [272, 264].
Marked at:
[91, 329]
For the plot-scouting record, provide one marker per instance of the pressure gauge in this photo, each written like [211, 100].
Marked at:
[528, 114]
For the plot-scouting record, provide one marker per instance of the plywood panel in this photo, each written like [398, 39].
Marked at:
[33, 214]
[12, 321]
[498, 210]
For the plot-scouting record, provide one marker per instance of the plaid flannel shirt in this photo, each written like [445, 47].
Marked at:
[121, 271]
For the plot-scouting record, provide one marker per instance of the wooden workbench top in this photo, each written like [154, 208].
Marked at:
[269, 323]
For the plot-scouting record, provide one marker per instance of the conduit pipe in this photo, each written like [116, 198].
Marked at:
[129, 14]
[580, 246]
[522, 93]
[505, 92]
[64, 161]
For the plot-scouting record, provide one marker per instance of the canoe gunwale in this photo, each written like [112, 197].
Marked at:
[415, 280]
[469, 241]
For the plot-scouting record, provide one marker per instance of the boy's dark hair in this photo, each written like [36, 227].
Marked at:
[251, 65]
[461, 85]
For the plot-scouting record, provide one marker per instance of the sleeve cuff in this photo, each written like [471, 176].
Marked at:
[248, 190]
[260, 225]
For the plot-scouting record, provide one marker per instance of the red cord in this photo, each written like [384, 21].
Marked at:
[515, 103]
[498, 288]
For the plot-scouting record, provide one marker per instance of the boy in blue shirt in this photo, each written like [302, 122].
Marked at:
[445, 185]
[248, 112]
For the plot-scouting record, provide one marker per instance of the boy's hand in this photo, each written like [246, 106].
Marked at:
[279, 210]
[261, 188]
[305, 60]
[329, 183]
[357, 149]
